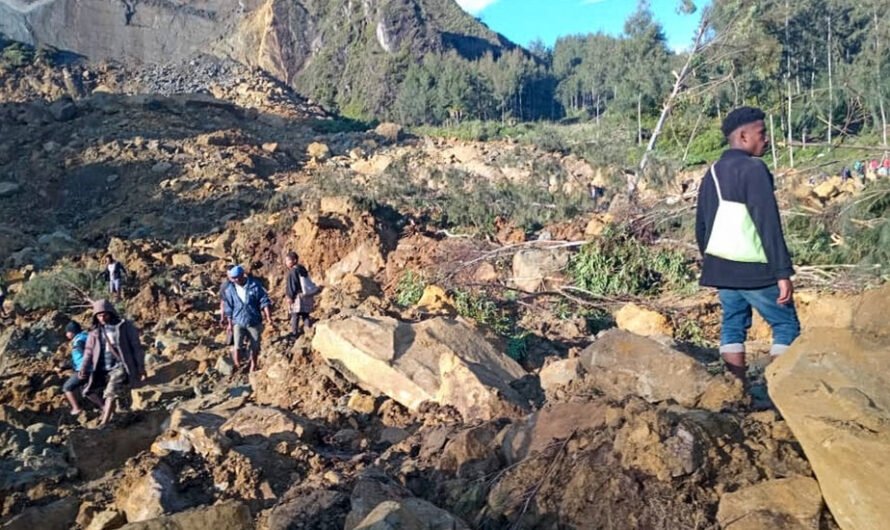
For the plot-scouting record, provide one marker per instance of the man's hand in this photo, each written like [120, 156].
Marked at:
[786, 292]
[82, 374]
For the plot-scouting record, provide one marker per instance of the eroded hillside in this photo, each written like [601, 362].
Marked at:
[464, 371]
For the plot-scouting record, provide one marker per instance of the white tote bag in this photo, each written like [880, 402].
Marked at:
[734, 235]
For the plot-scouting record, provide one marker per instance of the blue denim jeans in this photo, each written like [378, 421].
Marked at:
[737, 304]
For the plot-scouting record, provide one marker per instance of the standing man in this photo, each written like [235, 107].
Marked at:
[245, 302]
[114, 275]
[223, 321]
[78, 338]
[113, 354]
[300, 304]
[739, 234]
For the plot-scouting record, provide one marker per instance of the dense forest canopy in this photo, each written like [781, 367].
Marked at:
[820, 67]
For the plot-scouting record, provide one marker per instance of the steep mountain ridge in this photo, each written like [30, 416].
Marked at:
[345, 52]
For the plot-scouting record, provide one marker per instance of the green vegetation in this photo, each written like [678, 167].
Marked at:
[16, 55]
[339, 124]
[410, 288]
[690, 332]
[851, 233]
[485, 310]
[817, 86]
[620, 264]
[64, 286]
[462, 201]
[482, 308]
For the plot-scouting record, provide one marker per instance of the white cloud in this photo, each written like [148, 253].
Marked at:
[475, 6]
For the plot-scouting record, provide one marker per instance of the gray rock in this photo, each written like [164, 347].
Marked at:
[63, 109]
[8, 189]
[161, 167]
[224, 365]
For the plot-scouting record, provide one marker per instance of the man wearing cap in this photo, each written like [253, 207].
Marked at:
[78, 338]
[739, 233]
[245, 302]
[113, 354]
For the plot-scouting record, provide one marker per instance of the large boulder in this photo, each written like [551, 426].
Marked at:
[146, 397]
[410, 514]
[556, 421]
[269, 423]
[365, 260]
[441, 360]
[833, 389]
[25, 456]
[532, 268]
[785, 504]
[228, 515]
[371, 489]
[642, 321]
[59, 515]
[559, 374]
[188, 431]
[305, 510]
[150, 495]
[622, 364]
[95, 452]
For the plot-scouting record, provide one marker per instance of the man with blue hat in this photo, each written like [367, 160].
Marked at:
[245, 303]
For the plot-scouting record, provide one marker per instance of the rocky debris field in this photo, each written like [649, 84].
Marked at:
[388, 413]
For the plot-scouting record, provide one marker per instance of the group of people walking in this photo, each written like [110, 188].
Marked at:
[739, 234]
[109, 359]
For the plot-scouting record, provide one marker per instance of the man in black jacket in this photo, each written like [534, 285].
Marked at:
[745, 257]
[300, 304]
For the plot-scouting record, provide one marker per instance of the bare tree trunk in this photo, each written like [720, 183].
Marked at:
[675, 92]
[830, 86]
[788, 83]
[692, 136]
[883, 122]
[640, 119]
[772, 141]
[597, 112]
[878, 85]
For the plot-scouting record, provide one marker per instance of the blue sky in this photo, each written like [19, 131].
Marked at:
[522, 21]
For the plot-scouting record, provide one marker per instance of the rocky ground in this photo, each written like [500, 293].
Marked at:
[385, 415]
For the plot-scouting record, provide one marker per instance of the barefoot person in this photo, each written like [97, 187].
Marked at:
[245, 302]
[740, 236]
[78, 338]
[114, 355]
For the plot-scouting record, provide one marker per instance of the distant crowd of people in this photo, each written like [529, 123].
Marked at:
[870, 169]
[108, 359]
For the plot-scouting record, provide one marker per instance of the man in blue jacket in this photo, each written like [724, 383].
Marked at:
[245, 302]
[744, 251]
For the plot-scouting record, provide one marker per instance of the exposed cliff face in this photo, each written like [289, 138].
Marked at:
[338, 51]
[126, 30]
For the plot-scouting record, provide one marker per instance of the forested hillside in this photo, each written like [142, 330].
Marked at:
[819, 67]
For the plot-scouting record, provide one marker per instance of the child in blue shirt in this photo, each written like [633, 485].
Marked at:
[78, 338]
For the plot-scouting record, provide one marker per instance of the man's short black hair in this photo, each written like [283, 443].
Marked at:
[741, 116]
[293, 256]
